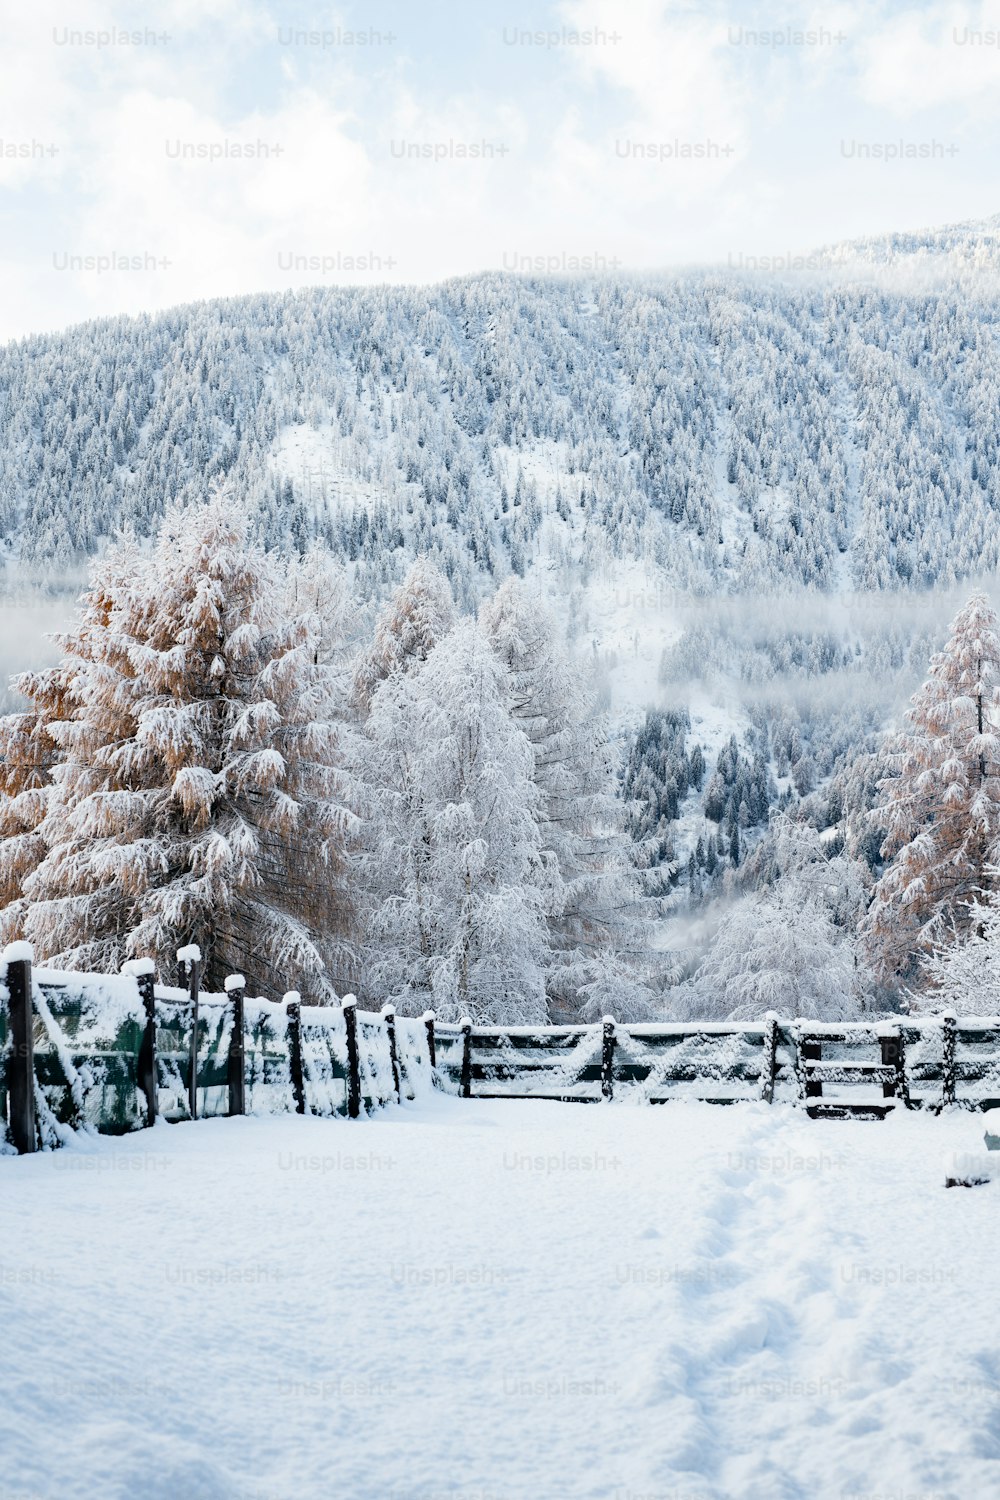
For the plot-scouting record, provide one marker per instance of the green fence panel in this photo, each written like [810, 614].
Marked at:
[374, 1062]
[324, 1059]
[414, 1058]
[268, 1073]
[87, 1035]
[5, 1143]
[448, 1046]
[215, 1029]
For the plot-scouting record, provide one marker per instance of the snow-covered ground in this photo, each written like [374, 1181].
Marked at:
[476, 1299]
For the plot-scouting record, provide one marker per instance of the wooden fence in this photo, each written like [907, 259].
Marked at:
[117, 1053]
[851, 1069]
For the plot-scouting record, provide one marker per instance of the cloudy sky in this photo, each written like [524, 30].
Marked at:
[224, 147]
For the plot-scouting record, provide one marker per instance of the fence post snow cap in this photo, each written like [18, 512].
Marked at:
[191, 954]
[428, 1015]
[608, 1020]
[465, 1021]
[138, 966]
[234, 982]
[291, 997]
[949, 1015]
[19, 953]
[771, 1015]
[348, 1002]
[388, 1010]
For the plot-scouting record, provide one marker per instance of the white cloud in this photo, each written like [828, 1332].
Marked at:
[569, 182]
[922, 59]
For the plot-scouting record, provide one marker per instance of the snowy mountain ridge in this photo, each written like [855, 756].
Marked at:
[739, 434]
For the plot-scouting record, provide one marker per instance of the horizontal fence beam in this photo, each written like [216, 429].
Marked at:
[835, 1070]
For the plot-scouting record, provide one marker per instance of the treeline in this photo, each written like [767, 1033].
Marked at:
[424, 806]
[428, 816]
[883, 891]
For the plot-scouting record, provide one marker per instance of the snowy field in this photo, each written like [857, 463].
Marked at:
[476, 1300]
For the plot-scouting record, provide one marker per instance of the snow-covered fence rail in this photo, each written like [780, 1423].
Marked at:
[855, 1068]
[116, 1053]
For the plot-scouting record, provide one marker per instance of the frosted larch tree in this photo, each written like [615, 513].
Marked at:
[196, 797]
[28, 750]
[941, 804]
[420, 613]
[27, 756]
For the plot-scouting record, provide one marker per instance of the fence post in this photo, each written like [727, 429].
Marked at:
[893, 1056]
[769, 1072]
[608, 1058]
[428, 1020]
[948, 1040]
[466, 1025]
[21, 1067]
[810, 1050]
[293, 1004]
[236, 988]
[144, 971]
[349, 1005]
[800, 1071]
[190, 957]
[389, 1017]
[902, 1085]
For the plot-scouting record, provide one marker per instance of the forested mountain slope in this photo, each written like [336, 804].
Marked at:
[738, 433]
[754, 502]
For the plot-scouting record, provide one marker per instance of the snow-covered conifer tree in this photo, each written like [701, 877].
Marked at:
[420, 613]
[776, 950]
[27, 756]
[941, 805]
[593, 895]
[28, 749]
[964, 975]
[196, 797]
[452, 858]
[793, 850]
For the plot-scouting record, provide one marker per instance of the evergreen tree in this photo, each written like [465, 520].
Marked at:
[27, 756]
[195, 796]
[594, 898]
[777, 950]
[420, 613]
[29, 749]
[963, 976]
[941, 804]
